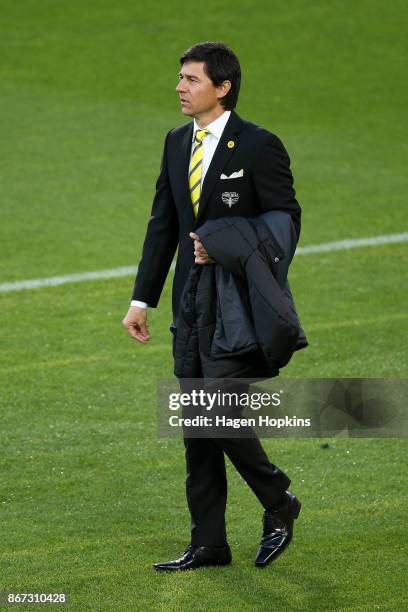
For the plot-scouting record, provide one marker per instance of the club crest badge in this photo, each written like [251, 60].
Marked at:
[229, 198]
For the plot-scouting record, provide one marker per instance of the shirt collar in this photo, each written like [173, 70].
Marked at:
[216, 127]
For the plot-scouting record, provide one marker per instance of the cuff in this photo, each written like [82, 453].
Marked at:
[139, 304]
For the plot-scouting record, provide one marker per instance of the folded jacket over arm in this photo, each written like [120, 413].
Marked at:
[237, 317]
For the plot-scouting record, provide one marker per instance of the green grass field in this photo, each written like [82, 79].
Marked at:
[90, 497]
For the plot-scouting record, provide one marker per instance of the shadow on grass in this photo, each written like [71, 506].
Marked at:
[242, 586]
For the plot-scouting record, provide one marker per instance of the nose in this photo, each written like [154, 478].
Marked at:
[180, 86]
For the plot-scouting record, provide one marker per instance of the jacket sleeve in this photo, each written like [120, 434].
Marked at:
[273, 179]
[160, 242]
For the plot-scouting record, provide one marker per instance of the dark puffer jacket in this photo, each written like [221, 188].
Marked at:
[237, 317]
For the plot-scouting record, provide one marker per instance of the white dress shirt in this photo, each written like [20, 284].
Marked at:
[210, 143]
[212, 139]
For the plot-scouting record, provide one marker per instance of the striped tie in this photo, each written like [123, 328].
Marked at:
[196, 169]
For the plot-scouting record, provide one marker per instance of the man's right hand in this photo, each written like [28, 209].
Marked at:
[136, 324]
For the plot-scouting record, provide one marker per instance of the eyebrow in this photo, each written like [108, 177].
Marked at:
[189, 76]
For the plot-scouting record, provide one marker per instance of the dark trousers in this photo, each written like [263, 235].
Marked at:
[206, 483]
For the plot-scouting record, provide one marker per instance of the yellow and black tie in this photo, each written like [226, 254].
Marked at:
[195, 172]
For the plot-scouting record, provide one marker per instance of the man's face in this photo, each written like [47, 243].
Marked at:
[198, 94]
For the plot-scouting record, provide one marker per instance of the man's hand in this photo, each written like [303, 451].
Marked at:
[136, 324]
[201, 255]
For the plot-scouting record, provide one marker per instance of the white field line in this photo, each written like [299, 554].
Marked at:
[79, 277]
[340, 245]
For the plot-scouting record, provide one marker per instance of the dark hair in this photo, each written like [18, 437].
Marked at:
[220, 64]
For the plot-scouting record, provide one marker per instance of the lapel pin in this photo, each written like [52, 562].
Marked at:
[230, 144]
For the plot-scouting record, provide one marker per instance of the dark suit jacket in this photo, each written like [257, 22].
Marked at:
[267, 184]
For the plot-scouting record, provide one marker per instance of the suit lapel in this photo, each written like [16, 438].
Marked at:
[182, 167]
[221, 156]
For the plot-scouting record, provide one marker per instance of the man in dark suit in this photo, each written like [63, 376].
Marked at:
[217, 165]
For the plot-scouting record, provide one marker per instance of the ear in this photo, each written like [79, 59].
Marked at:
[223, 89]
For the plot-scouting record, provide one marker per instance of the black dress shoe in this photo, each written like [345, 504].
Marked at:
[197, 556]
[278, 530]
